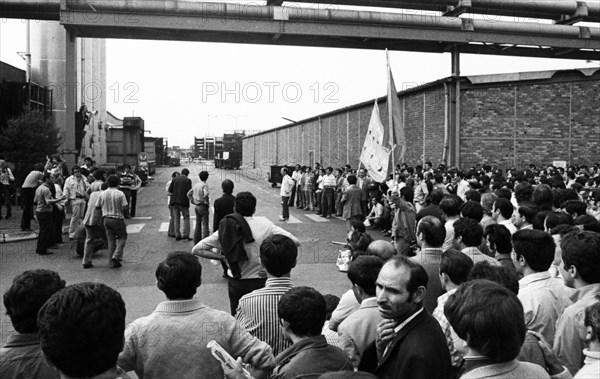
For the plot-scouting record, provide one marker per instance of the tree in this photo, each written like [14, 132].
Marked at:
[27, 140]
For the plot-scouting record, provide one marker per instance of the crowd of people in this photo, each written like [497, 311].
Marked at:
[485, 274]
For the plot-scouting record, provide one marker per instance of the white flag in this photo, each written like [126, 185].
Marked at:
[375, 155]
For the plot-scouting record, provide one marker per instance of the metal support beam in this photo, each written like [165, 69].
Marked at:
[580, 14]
[456, 78]
[461, 7]
[69, 152]
[342, 29]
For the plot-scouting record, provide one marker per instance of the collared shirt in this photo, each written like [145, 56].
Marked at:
[286, 186]
[112, 201]
[76, 188]
[33, 179]
[329, 181]
[591, 367]
[449, 239]
[509, 225]
[477, 256]
[452, 339]
[297, 175]
[257, 313]
[199, 193]
[42, 197]
[261, 229]
[402, 325]
[347, 305]
[359, 330]
[21, 357]
[569, 338]
[544, 299]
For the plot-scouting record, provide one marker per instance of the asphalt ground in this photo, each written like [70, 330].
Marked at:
[148, 244]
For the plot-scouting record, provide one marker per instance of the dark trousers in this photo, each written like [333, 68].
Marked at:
[293, 196]
[57, 223]
[285, 212]
[28, 196]
[299, 197]
[133, 203]
[236, 288]
[45, 220]
[5, 199]
[327, 202]
[201, 229]
[127, 192]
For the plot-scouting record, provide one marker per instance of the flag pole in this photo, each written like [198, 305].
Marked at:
[390, 116]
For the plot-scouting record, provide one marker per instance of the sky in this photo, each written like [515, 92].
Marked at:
[187, 89]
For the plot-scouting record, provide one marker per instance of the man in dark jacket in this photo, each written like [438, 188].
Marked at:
[409, 342]
[180, 203]
[223, 207]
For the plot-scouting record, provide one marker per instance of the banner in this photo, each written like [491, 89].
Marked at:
[397, 139]
[375, 155]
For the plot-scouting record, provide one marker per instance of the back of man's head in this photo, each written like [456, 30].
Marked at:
[203, 175]
[498, 237]
[505, 207]
[81, 329]
[185, 172]
[382, 249]
[28, 292]
[450, 206]
[472, 209]
[331, 301]
[582, 250]
[557, 218]
[363, 272]
[536, 247]
[113, 181]
[456, 265]
[179, 275]
[489, 317]
[498, 274]
[227, 186]
[244, 203]
[304, 309]
[278, 255]
[432, 231]
[574, 207]
[436, 196]
[470, 231]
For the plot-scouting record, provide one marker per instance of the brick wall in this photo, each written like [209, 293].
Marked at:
[505, 124]
[521, 123]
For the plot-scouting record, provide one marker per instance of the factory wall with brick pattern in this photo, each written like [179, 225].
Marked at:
[512, 123]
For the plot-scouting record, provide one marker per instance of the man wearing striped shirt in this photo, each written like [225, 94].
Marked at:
[113, 204]
[257, 311]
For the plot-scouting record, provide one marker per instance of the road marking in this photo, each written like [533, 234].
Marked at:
[316, 218]
[134, 228]
[142, 218]
[164, 227]
[293, 220]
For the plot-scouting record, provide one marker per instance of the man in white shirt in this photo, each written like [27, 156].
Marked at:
[502, 212]
[76, 189]
[287, 183]
[544, 298]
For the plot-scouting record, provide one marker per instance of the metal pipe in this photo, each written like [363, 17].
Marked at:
[28, 54]
[549, 9]
[445, 149]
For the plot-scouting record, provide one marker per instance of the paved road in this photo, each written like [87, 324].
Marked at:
[148, 244]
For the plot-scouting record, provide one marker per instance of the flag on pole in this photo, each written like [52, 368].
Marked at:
[395, 134]
[375, 154]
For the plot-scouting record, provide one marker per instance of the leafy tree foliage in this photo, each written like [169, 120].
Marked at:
[27, 140]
